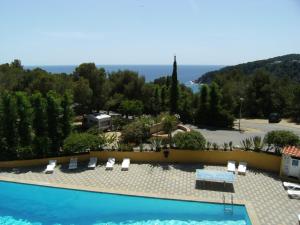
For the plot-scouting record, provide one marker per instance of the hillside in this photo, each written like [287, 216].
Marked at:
[287, 65]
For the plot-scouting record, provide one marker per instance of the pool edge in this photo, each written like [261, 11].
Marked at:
[249, 207]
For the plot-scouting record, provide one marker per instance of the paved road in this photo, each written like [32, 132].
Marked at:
[250, 128]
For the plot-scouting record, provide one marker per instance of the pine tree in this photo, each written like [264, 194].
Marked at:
[25, 119]
[174, 95]
[67, 114]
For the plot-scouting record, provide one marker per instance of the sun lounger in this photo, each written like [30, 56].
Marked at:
[125, 164]
[110, 163]
[50, 167]
[294, 193]
[93, 162]
[231, 166]
[291, 185]
[242, 168]
[73, 164]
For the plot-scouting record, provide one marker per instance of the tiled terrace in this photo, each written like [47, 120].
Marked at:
[263, 190]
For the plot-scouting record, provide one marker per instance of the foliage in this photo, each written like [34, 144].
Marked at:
[136, 132]
[174, 92]
[53, 114]
[67, 113]
[81, 142]
[257, 143]
[281, 138]
[192, 140]
[247, 144]
[156, 143]
[215, 146]
[131, 107]
[25, 117]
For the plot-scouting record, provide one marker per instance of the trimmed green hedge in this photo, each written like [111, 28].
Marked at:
[189, 140]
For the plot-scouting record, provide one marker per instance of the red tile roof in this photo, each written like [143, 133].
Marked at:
[292, 151]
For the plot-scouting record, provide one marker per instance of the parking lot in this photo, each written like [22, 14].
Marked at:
[249, 128]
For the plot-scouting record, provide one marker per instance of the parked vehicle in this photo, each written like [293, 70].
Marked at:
[274, 118]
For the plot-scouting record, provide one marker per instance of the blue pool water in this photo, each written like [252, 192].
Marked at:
[22, 204]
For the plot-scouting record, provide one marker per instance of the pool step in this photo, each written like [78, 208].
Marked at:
[228, 208]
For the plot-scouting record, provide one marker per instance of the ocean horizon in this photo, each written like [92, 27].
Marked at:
[186, 73]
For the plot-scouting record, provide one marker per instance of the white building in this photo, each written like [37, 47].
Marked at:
[103, 121]
[290, 162]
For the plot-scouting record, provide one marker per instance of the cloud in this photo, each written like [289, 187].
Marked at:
[77, 35]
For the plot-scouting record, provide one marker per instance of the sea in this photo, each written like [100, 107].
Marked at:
[187, 74]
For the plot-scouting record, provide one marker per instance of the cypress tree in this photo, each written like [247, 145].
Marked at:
[39, 124]
[53, 123]
[10, 130]
[24, 113]
[67, 114]
[203, 106]
[174, 89]
[163, 98]
[215, 104]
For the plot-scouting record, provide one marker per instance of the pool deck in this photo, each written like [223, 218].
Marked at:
[266, 200]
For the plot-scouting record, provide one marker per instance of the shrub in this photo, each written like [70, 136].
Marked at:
[82, 142]
[257, 143]
[136, 132]
[247, 144]
[189, 140]
[25, 153]
[281, 138]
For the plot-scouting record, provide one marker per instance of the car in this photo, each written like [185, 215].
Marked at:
[274, 118]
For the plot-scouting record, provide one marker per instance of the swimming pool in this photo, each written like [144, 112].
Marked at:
[22, 204]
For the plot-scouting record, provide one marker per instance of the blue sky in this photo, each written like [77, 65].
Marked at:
[61, 32]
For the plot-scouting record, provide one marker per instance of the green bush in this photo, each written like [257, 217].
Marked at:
[189, 140]
[82, 142]
[136, 132]
[25, 153]
[281, 138]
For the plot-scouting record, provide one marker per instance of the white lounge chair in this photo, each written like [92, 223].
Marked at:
[291, 185]
[50, 167]
[242, 168]
[294, 193]
[231, 166]
[125, 164]
[93, 162]
[73, 164]
[110, 163]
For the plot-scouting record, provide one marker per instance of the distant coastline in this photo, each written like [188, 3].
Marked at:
[187, 74]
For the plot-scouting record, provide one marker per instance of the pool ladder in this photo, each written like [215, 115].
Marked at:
[228, 208]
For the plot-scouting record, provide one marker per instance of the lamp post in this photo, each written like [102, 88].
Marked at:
[241, 101]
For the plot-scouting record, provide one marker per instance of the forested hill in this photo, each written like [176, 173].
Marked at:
[287, 65]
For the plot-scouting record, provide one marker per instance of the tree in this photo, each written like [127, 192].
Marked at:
[39, 124]
[67, 113]
[174, 95]
[82, 96]
[203, 106]
[9, 124]
[163, 98]
[53, 123]
[97, 79]
[25, 119]
[169, 123]
[131, 107]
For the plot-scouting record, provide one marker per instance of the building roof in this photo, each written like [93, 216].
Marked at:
[292, 151]
[103, 116]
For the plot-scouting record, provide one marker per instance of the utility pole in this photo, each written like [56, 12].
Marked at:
[241, 101]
